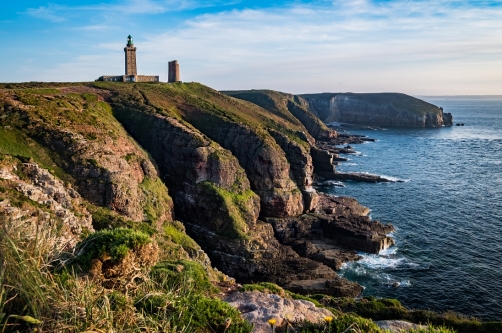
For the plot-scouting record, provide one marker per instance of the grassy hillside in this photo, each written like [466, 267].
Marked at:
[205, 108]
[287, 106]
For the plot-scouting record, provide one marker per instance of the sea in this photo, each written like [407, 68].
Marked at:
[447, 212]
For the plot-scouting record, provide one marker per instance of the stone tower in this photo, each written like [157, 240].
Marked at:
[130, 58]
[174, 71]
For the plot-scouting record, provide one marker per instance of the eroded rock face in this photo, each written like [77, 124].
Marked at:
[338, 222]
[207, 180]
[259, 258]
[258, 308]
[351, 108]
[110, 174]
[68, 214]
[106, 167]
[267, 169]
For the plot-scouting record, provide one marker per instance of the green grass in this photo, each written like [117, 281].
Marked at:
[16, 143]
[233, 205]
[157, 199]
[115, 243]
[175, 231]
[286, 106]
[34, 298]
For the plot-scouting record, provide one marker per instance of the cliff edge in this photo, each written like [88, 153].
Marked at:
[377, 109]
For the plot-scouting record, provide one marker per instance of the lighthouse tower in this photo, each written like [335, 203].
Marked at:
[130, 58]
[131, 71]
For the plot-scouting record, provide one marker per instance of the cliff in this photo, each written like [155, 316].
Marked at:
[291, 107]
[379, 109]
[126, 205]
[229, 165]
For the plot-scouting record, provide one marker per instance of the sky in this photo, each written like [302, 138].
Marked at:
[418, 47]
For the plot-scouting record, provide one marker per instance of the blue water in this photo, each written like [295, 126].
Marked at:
[447, 215]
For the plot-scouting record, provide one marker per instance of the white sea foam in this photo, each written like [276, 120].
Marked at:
[379, 261]
[331, 183]
[395, 179]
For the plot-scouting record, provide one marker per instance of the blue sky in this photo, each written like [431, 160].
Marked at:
[419, 47]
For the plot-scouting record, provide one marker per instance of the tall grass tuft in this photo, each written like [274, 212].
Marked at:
[38, 294]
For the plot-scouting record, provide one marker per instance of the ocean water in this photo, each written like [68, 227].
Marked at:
[447, 213]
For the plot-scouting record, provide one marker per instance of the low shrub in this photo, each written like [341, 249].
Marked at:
[114, 243]
[264, 287]
[190, 274]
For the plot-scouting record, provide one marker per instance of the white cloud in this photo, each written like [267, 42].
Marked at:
[57, 13]
[416, 47]
[49, 13]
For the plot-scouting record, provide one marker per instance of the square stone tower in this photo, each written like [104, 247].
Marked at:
[174, 71]
[130, 57]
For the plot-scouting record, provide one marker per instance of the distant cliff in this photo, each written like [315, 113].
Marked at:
[379, 109]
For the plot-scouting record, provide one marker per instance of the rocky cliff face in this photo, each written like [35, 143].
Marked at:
[242, 129]
[392, 110]
[299, 107]
[64, 216]
[98, 157]
[288, 106]
[209, 184]
[266, 166]
[241, 176]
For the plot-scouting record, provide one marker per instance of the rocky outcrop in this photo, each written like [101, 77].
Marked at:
[338, 222]
[301, 166]
[209, 185]
[261, 257]
[65, 217]
[325, 157]
[397, 326]
[264, 161]
[105, 166]
[447, 118]
[322, 160]
[387, 109]
[258, 308]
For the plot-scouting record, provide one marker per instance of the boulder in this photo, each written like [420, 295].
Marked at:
[258, 308]
[398, 325]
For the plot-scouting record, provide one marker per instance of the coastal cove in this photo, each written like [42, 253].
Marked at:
[447, 213]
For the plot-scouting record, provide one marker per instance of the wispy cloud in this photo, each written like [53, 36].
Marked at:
[49, 13]
[56, 13]
[363, 45]
[96, 27]
[414, 46]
